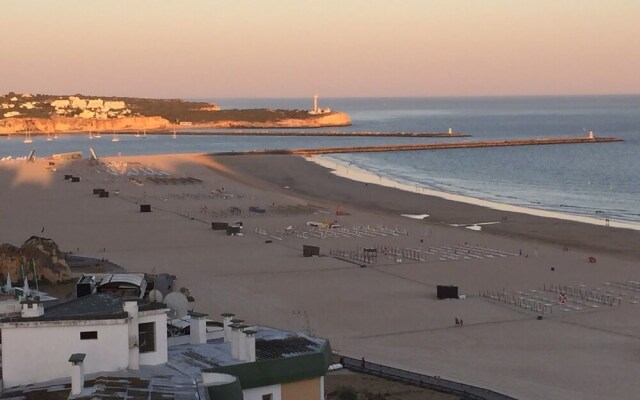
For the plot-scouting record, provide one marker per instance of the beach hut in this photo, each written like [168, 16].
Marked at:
[219, 226]
[310, 251]
[447, 292]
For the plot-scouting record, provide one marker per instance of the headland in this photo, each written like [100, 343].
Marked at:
[41, 114]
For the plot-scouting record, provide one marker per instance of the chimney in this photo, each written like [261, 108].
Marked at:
[198, 328]
[77, 373]
[242, 344]
[250, 343]
[236, 344]
[131, 307]
[32, 308]
[226, 321]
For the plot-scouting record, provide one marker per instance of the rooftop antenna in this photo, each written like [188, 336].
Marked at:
[155, 295]
[8, 287]
[178, 305]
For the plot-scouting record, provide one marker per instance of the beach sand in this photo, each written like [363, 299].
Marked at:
[386, 312]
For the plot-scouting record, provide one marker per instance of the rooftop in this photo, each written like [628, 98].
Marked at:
[116, 386]
[304, 356]
[93, 307]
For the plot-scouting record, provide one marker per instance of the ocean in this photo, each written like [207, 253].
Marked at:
[600, 180]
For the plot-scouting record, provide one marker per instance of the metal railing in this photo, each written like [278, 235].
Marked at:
[431, 382]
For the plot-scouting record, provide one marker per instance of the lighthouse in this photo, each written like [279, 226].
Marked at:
[317, 110]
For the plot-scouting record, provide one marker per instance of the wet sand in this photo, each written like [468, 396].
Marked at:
[387, 312]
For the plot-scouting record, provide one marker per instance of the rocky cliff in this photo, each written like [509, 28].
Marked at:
[318, 121]
[49, 260]
[69, 124]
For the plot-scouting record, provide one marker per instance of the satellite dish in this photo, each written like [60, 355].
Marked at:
[155, 295]
[178, 305]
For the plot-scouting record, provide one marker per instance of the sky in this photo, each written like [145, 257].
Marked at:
[336, 48]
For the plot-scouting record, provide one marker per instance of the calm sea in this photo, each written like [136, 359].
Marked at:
[601, 180]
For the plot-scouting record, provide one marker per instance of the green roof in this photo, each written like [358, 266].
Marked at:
[279, 370]
[228, 391]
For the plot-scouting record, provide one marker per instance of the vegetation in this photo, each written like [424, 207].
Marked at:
[173, 110]
[350, 393]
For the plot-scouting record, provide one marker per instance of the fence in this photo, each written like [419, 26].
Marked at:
[430, 382]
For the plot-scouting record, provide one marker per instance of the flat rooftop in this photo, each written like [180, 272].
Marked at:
[177, 379]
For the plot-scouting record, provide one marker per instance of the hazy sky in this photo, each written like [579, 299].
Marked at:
[294, 48]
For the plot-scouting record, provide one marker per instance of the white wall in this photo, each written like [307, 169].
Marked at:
[41, 353]
[114, 105]
[160, 355]
[256, 393]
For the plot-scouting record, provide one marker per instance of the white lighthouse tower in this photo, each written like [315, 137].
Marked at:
[315, 103]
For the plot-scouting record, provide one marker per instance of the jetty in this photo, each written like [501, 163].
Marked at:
[318, 133]
[431, 146]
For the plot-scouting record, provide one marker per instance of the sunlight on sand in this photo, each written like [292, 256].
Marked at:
[171, 163]
[26, 173]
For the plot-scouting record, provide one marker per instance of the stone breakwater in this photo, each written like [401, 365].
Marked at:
[427, 146]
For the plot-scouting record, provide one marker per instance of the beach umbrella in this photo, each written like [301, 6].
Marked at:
[26, 289]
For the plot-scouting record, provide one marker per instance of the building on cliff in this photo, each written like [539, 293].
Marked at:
[90, 108]
[317, 110]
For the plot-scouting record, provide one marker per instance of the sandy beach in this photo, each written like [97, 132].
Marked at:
[387, 312]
